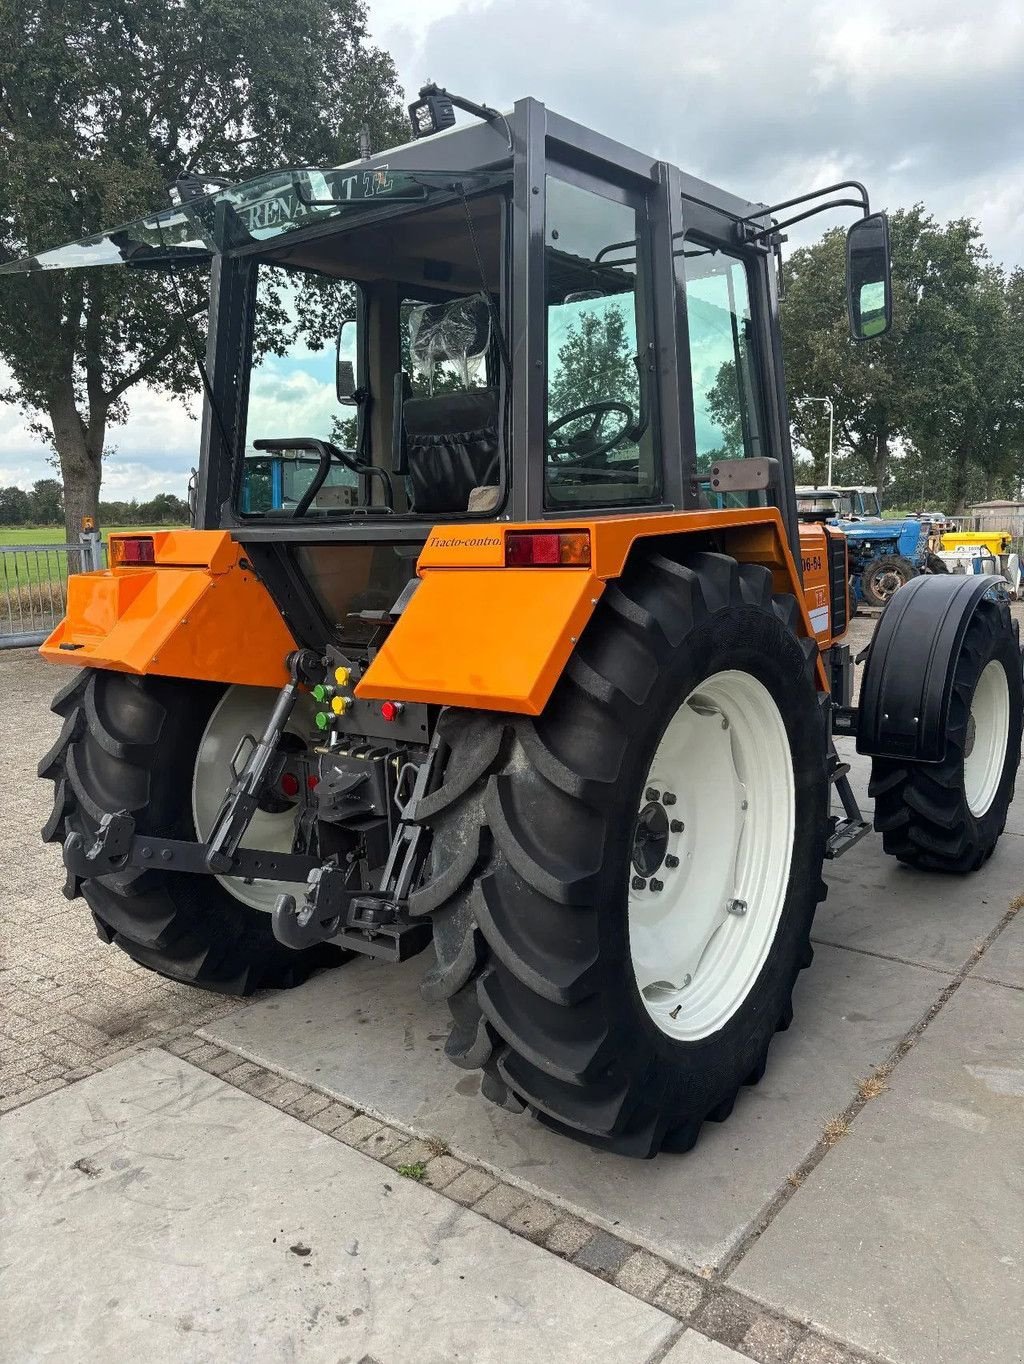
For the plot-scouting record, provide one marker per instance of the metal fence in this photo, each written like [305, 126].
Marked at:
[33, 586]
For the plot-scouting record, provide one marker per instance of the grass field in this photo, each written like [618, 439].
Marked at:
[32, 583]
[54, 535]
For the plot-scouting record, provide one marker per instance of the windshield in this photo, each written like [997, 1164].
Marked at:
[255, 212]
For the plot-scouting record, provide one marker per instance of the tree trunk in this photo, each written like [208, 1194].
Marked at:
[881, 459]
[959, 481]
[79, 463]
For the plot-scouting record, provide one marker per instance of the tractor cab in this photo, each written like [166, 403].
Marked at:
[855, 503]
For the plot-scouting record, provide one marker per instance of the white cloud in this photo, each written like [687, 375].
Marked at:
[922, 100]
[152, 452]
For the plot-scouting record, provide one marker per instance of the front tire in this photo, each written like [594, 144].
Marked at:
[949, 816]
[131, 743]
[534, 856]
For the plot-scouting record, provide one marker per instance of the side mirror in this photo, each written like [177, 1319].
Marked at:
[345, 363]
[869, 277]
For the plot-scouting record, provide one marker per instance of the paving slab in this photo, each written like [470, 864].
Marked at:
[365, 1035]
[908, 1238]
[693, 1348]
[1004, 960]
[155, 1212]
[875, 904]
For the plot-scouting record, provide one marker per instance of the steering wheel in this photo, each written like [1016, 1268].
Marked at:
[586, 445]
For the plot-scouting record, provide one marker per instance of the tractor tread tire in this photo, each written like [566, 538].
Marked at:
[906, 569]
[920, 809]
[128, 743]
[517, 887]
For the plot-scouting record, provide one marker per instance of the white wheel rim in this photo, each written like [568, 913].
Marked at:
[241, 711]
[988, 733]
[701, 929]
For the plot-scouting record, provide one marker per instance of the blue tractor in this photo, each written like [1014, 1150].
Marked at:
[883, 555]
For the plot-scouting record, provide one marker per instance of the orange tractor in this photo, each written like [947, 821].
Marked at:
[498, 635]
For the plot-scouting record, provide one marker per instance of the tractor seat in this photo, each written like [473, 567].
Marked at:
[451, 447]
[451, 439]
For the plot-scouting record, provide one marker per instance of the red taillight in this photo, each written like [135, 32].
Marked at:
[290, 784]
[547, 549]
[137, 549]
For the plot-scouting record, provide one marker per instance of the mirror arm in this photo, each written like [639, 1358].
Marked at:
[748, 234]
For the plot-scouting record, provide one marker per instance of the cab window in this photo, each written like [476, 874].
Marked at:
[727, 416]
[599, 449]
[292, 390]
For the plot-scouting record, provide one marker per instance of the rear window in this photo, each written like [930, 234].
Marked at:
[349, 580]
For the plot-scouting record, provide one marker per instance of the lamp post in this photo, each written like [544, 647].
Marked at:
[831, 429]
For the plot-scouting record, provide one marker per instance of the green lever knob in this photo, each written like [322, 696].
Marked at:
[320, 693]
[322, 719]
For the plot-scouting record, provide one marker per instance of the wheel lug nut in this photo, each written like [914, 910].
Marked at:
[656, 884]
[668, 798]
[677, 826]
[652, 794]
[639, 883]
[671, 860]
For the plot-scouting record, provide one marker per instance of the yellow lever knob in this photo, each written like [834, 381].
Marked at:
[341, 704]
[342, 676]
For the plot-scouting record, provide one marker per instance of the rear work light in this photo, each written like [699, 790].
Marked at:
[547, 549]
[136, 550]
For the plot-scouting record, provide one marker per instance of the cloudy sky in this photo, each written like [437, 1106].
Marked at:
[921, 99]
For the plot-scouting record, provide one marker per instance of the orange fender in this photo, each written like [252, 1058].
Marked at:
[196, 612]
[480, 635]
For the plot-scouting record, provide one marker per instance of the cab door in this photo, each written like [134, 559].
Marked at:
[731, 363]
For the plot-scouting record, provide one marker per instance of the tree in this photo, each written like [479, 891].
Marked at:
[102, 105]
[595, 363]
[723, 403]
[15, 506]
[929, 407]
[46, 504]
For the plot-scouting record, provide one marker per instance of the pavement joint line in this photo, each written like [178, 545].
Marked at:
[709, 1305]
[667, 1345]
[883, 956]
[839, 1125]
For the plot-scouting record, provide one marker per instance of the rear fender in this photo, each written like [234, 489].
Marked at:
[199, 612]
[908, 677]
[483, 636]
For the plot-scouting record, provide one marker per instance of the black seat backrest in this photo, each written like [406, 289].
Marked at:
[451, 439]
[451, 447]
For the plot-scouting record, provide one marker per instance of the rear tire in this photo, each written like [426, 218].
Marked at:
[883, 577]
[949, 816]
[130, 743]
[530, 871]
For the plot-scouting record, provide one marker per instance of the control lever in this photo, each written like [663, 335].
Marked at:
[250, 786]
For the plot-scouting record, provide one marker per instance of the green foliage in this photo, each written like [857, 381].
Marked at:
[44, 506]
[595, 363]
[102, 105]
[416, 1171]
[723, 400]
[932, 411]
